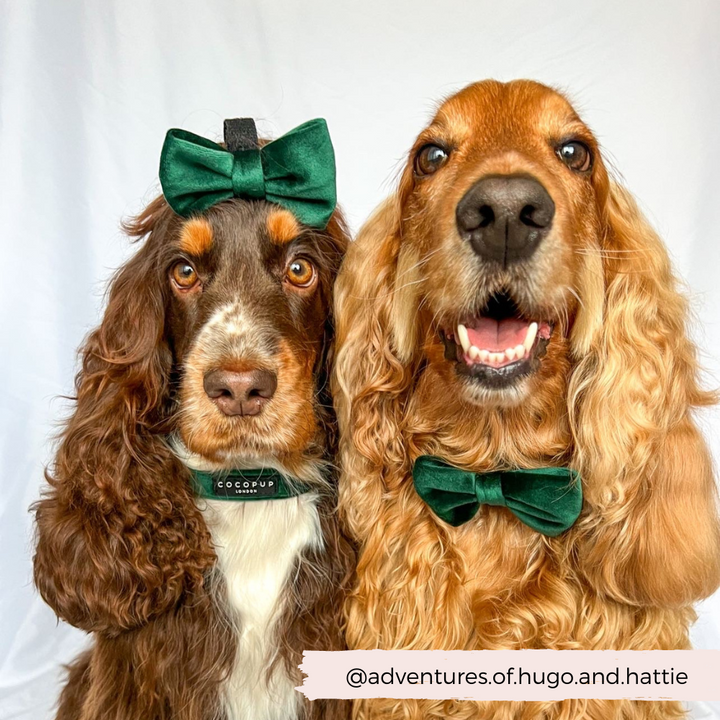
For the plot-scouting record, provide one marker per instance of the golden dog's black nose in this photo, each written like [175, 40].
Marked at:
[505, 217]
[240, 393]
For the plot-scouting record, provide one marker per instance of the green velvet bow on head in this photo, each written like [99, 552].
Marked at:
[548, 500]
[296, 171]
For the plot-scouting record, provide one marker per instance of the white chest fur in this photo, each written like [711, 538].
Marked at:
[258, 544]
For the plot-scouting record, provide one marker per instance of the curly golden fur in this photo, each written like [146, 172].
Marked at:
[613, 398]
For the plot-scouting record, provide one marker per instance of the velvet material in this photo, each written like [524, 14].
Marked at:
[205, 485]
[548, 500]
[296, 171]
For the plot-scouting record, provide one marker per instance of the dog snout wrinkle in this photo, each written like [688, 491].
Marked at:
[505, 218]
[240, 393]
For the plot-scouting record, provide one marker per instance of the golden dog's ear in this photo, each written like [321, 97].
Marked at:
[376, 362]
[591, 289]
[384, 273]
[652, 533]
[375, 309]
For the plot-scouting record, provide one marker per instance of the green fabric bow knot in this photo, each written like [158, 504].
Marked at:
[548, 500]
[296, 171]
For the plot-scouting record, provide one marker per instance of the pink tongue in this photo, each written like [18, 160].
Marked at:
[491, 334]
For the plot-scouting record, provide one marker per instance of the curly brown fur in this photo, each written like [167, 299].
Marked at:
[612, 397]
[314, 619]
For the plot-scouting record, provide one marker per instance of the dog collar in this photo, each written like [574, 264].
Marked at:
[253, 484]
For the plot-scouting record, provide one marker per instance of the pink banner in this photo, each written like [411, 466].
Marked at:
[513, 674]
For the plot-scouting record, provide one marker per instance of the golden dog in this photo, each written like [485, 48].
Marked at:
[509, 307]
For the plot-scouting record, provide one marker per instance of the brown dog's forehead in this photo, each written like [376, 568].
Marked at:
[229, 247]
[196, 236]
[238, 225]
[494, 112]
[240, 250]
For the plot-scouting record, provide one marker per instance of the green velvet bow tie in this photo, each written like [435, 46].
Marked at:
[258, 484]
[296, 171]
[548, 500]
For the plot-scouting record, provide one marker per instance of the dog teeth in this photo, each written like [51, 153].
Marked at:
[530, 337]
[493, 357]
[462, 335]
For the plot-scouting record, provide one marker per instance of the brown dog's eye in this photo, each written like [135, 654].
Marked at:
[430, 159]
[184, 275]
[300, 272]
[575, 155]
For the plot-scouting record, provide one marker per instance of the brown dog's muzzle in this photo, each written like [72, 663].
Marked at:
[505, 217]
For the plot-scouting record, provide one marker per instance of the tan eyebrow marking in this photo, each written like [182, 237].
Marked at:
[282, 226]
[196, 237]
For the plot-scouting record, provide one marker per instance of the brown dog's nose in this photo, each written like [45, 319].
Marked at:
[504, 217]
[240, 393]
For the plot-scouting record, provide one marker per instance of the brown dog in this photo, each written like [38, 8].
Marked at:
[509, 307]
[213, 354]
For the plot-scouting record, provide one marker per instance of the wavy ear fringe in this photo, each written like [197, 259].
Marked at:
[374, 361]
[589, 321]
[653, 535]
[119, 538]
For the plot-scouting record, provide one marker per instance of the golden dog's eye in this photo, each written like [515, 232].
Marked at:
[300, 272]
[184, 275]
[575, 155]
[430, 159]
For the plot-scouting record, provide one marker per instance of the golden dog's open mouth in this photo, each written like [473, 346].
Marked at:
[498, 346]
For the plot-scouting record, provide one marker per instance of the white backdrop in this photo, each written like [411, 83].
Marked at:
[88, 89]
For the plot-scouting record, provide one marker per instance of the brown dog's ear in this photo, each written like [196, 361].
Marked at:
[119, 538]
[332, 244]
[653, 536]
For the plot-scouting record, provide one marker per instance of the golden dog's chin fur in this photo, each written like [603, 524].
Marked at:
[612, 398]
